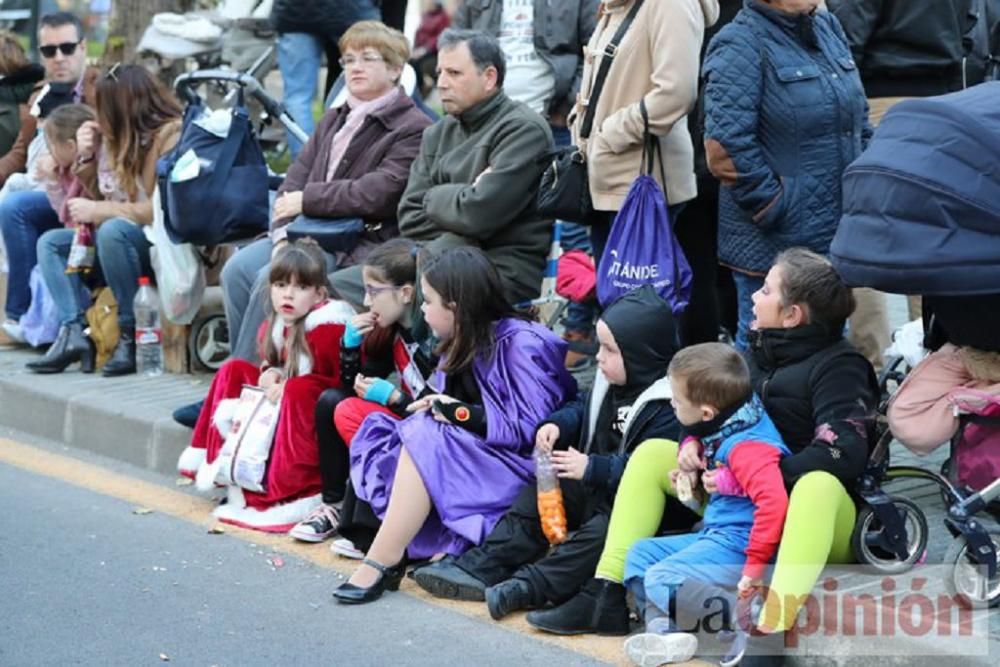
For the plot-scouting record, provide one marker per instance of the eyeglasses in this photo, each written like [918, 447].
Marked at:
[66, 48]
[373, 292]
[366, 59]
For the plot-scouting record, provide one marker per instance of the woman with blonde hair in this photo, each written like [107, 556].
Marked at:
[138, 120]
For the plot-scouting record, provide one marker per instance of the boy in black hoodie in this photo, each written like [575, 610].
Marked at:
[592, 437]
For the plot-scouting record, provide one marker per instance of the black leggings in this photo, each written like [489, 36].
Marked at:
[334, 458]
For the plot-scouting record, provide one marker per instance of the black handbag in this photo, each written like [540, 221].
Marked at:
[564, 190]
[332, 234]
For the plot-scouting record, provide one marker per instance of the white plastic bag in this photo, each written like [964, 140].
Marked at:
[243, 459]
[908, 342]
[180, 274]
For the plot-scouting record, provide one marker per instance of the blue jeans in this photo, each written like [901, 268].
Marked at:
[300, 56]
[745, 287]
[24, 216]
[122, 258]
[657, 566]
[579, 317]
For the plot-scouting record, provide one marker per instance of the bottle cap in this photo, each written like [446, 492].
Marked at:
[143, 280]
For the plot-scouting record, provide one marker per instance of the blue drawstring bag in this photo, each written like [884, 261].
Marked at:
[214, 187]
[642, 248]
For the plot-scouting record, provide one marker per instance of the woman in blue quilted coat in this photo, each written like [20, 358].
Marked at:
[785, 113]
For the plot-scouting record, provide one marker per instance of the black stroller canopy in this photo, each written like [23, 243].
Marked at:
[922, 203]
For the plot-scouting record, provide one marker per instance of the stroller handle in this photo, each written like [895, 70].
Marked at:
[185, 83]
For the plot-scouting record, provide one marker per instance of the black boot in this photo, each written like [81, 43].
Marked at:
[71, 345]
[599, 608]
[122, 361]
[509, 596]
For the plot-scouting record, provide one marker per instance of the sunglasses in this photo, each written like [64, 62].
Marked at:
[66, 48]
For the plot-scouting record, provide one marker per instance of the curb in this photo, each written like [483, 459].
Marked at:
[127, 418]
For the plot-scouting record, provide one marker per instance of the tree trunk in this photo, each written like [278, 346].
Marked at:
[129, 19]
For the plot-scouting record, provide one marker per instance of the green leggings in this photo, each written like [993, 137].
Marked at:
[817, 530]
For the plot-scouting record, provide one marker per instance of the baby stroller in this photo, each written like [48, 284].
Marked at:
[922, 216]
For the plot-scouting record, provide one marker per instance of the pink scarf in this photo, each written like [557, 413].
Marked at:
[359, 111]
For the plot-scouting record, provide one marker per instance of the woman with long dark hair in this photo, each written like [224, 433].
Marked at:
[441, 478]
[138, 120]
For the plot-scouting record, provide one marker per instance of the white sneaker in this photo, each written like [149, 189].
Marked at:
[13, 330]
[650, 649]
[344, 547]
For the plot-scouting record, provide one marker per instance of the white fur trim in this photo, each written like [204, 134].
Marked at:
[277, 518]
[204, 481]
[222, 418]
[190, 460]
[334, 312]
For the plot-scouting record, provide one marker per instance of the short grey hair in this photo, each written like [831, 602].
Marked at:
[484, 49]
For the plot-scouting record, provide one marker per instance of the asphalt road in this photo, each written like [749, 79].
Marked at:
[86, 581]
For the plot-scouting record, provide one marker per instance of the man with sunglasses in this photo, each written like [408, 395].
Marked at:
[25, 215]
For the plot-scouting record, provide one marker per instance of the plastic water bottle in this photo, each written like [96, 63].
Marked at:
[551, 510]
[148, 341]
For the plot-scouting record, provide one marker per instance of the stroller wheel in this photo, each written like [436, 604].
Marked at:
[872, 544]
[208, 343]
[968, 582]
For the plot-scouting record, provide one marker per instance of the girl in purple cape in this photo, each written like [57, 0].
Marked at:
[441, 478]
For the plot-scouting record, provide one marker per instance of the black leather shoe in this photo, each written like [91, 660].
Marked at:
[599, 608]
[187, 415]
[122, 361]
[509, 596]
[445, 579]
[71, 345]
[389, 579]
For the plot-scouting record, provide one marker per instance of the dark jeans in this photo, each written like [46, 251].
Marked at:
[697, 229]
[24, 216]
[517, 548]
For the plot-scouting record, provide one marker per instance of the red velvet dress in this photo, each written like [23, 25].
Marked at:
[292, 480]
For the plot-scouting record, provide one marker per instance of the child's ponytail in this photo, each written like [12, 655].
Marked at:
[303, 262]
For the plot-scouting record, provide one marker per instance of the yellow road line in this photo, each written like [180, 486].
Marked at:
[197, 510]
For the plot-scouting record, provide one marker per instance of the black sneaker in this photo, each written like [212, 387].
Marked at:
[319, 525]
[509, 596]
[445, 579]
[599, 608]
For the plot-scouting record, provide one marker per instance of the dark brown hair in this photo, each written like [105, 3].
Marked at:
[809, 280]
[394, 262]
[12, 55]
[713, 374]
[132, 106]
[470, 287]
[302, 262]
[62, 124]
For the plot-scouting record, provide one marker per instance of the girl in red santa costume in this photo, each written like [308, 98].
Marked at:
[300, 344]
[390, 338]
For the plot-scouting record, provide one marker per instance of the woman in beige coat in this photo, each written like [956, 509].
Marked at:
[656, 62]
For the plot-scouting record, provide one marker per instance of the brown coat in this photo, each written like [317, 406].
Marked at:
[657, 61]
[372, 174]
[16, 159]
[140, 212]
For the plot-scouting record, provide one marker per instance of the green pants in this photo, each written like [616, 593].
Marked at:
[817, 529]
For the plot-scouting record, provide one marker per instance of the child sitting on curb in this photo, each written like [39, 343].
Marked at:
[714, 402]
[628, 404]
